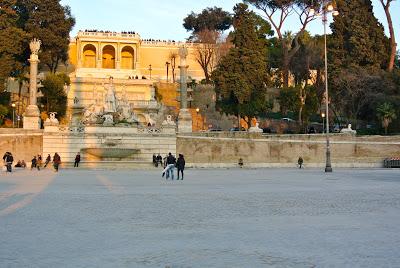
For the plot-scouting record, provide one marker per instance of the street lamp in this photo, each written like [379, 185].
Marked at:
[323, 122]
[326, 7]
[13, 108]
[150, 69]
[197, 119]
[167, 64]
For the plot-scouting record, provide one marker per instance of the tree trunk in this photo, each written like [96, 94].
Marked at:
[285, 65]
[392, 36]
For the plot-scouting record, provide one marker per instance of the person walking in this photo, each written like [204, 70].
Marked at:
[155, 160]
[48, 159]
[39, 162]
[8, 160]
[170, 165]
[77, 160]
[56, 161]
[159, 160]
[300, 162]
[33, 162]
[180, 165]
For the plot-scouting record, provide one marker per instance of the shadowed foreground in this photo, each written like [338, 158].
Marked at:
[214, 218]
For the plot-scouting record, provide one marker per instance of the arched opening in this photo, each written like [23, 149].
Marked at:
[89, 56]
[109, 57]
[127, 57]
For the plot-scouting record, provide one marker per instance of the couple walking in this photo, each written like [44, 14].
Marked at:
[171, 164]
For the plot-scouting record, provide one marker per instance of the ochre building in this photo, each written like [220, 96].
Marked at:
[135, 66]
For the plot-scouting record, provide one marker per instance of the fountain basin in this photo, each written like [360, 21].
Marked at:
[104, 153]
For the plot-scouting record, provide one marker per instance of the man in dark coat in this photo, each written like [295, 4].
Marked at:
[8, 159]
[180, 164]
[159, 160]
[56, 161]
[48, 159]
[77, 160]
[170, 164]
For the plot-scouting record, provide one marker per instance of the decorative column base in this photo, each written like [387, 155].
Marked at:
[32, 117]
[184, 121]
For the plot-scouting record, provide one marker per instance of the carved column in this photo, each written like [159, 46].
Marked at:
[99, 56]
[32, 113]
[185, 117]
[118, 56]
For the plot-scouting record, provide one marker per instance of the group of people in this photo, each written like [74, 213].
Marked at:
[169, 164]
[36, 162]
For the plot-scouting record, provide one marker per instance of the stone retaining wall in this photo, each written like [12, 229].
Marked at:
[23, 144]
[257, 150]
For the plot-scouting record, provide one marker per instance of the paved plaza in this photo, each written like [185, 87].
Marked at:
[213, 218]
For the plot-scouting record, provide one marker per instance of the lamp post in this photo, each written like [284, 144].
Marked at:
[197, 119]
[13, 108]
[326, 7]
[150, 69]
[167, 64]
[323, 122]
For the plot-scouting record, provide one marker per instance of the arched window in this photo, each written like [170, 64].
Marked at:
[109, 57]
[127, 58]
[89, 56]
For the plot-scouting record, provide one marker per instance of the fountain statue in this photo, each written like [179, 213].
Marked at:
[111, 100]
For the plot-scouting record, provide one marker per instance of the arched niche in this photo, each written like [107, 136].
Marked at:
[89, 56]
[108, 57]
[127, 58]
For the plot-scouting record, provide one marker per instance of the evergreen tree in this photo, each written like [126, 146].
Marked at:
[54, 97]
[211, 18]
[241, 77]
[358, 39]
[50, 22]
[11, 42]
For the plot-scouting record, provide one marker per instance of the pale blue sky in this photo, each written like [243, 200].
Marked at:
[162, 19]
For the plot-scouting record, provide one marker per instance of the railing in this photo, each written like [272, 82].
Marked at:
[167, 43]
[144, 104]
[109, 34]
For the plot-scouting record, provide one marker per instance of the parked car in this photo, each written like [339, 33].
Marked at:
[287, 119]
[237, 129]
[214, 129]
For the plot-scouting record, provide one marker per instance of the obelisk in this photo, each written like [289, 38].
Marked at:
[185, 117]
[32, 113]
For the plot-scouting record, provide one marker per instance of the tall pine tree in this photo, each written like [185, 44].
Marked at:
[357, 39]
[241, 77]
[50, 22]
[11, 42]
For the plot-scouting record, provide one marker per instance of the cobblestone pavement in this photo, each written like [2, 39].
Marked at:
[213, 218]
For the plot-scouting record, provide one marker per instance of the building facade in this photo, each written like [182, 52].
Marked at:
[134, 65]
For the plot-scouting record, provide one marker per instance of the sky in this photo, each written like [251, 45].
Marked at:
[162, 19]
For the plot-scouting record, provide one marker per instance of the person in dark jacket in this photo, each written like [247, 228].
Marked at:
[77, 160]
[159, 160]
[169, 169]
[56, 161]
[48, 159]
[300, 162]
[8, 159]
[155, 160]
[39, 162]
[180, 165]
[33, 162]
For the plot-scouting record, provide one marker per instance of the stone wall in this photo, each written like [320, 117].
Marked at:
[23, 144]
[257, 150]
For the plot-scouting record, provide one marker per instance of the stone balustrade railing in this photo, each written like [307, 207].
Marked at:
[109, 34]
[167, 43]
[144, 104]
